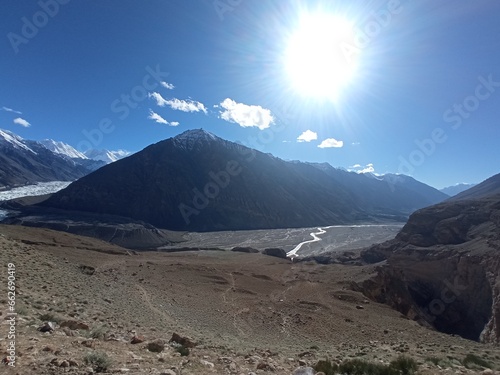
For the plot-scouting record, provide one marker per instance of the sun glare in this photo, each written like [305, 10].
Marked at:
[317, 62]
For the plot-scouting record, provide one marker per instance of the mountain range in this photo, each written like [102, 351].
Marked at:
[25, 162]
[456, 189]
[197, 181]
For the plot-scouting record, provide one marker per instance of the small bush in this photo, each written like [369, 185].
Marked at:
[434, 360]
[472, 361]
[400, 366]
[327, 367]
[99, 361]
[182, 350]
[360, 367]
[22, 310]
[98, 332]
[404, 365]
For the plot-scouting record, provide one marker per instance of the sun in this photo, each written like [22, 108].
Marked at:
[319, 61]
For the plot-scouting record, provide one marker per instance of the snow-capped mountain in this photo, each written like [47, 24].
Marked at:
[8, 138]
[62, 148]
[106, 155]
[25, 162]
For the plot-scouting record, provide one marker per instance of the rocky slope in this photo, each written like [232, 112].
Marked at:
[199, 182]
[246, 313]
[443, 268]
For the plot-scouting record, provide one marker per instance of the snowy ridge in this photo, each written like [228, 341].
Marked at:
[190, 138]
[62, 148]
[106, 155]
[14, 140]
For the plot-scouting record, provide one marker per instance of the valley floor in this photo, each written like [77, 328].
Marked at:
[335, 238]
[247, 312]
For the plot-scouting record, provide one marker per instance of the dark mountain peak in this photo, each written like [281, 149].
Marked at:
[190, 138]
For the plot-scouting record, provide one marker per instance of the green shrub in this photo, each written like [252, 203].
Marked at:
[472, 361]
[183, 350]
[98, 332]
[400, 366]
[327, 367]
[99, 361]
[404, 365]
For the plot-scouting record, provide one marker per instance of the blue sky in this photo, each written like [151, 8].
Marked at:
[422, 98]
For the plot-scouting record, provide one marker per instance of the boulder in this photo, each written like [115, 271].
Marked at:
[156, 346]
[47, 327]
[74, 325]
[182, 340]
[137, 339]
[275, 252]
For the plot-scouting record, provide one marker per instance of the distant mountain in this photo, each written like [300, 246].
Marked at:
[25, 162]
[388, 194]
[62, 149]
[106, 155]
[199, 182]
[489, 187]
[456, 189]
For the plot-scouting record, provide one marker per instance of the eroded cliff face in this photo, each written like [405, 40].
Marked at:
[443, 269]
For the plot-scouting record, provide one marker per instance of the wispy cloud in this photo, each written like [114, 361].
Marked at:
[160, 101]
[22, 122]
[246, 115]
[177, 104]
[167, 85]
[6, 109]
[160, 120]
[331, 143]
[358, 168]
[307, 136]
[186, 105]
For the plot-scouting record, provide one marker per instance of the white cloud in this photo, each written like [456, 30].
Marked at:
[307, 136]
[167, 85]
[355, 143]
[157, 118]
[186, 105]
[6, 109]
[22, 122]
[368, 168]
[246, 115]
[160, 120]
[158, 98]
[177, 104]
[330, 143]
